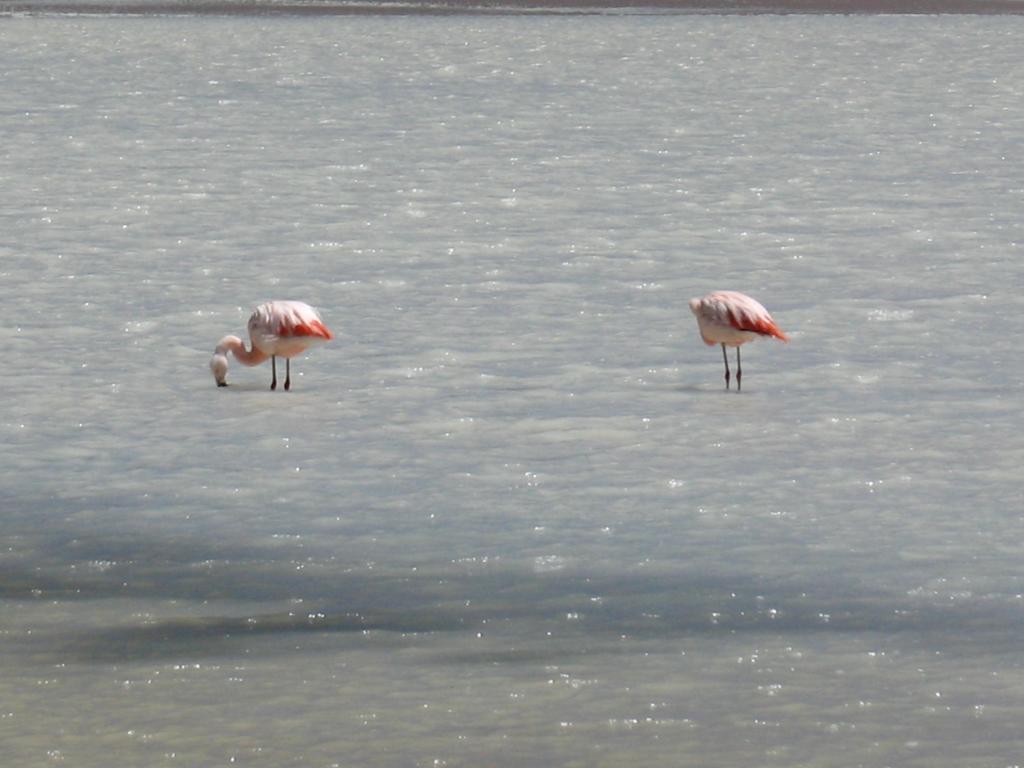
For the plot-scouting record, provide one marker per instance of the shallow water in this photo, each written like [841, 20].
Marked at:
[511, 516]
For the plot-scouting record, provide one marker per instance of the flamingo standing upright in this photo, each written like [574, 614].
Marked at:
[276, 329]
[731, 318]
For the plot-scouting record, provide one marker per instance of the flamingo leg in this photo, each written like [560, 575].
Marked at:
[725, 357]
[739, 371]
[287, 374]
[273, 371]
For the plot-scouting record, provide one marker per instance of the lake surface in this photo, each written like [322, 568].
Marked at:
[511, 516]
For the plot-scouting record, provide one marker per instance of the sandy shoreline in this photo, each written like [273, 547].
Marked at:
[435, 7]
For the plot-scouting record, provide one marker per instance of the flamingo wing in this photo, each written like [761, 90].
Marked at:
[276, 325]
[296, 319]
[746, 314]
[312, 328]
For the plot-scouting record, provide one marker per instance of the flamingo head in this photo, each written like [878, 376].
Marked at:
[219, 367]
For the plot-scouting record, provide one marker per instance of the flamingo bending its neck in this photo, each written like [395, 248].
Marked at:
[731, 318]
[276, 329]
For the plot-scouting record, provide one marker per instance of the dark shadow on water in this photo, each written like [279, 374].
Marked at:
[703, 389]
[234, 388]
[211, 636]
[195, 590]
[590, 610]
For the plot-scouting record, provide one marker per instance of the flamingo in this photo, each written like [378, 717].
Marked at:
[731, 318]
[276, 328]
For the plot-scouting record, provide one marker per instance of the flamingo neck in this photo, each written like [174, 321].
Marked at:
[236, 346]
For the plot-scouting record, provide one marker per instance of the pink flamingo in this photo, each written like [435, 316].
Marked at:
[731, 318]
[276, 328]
